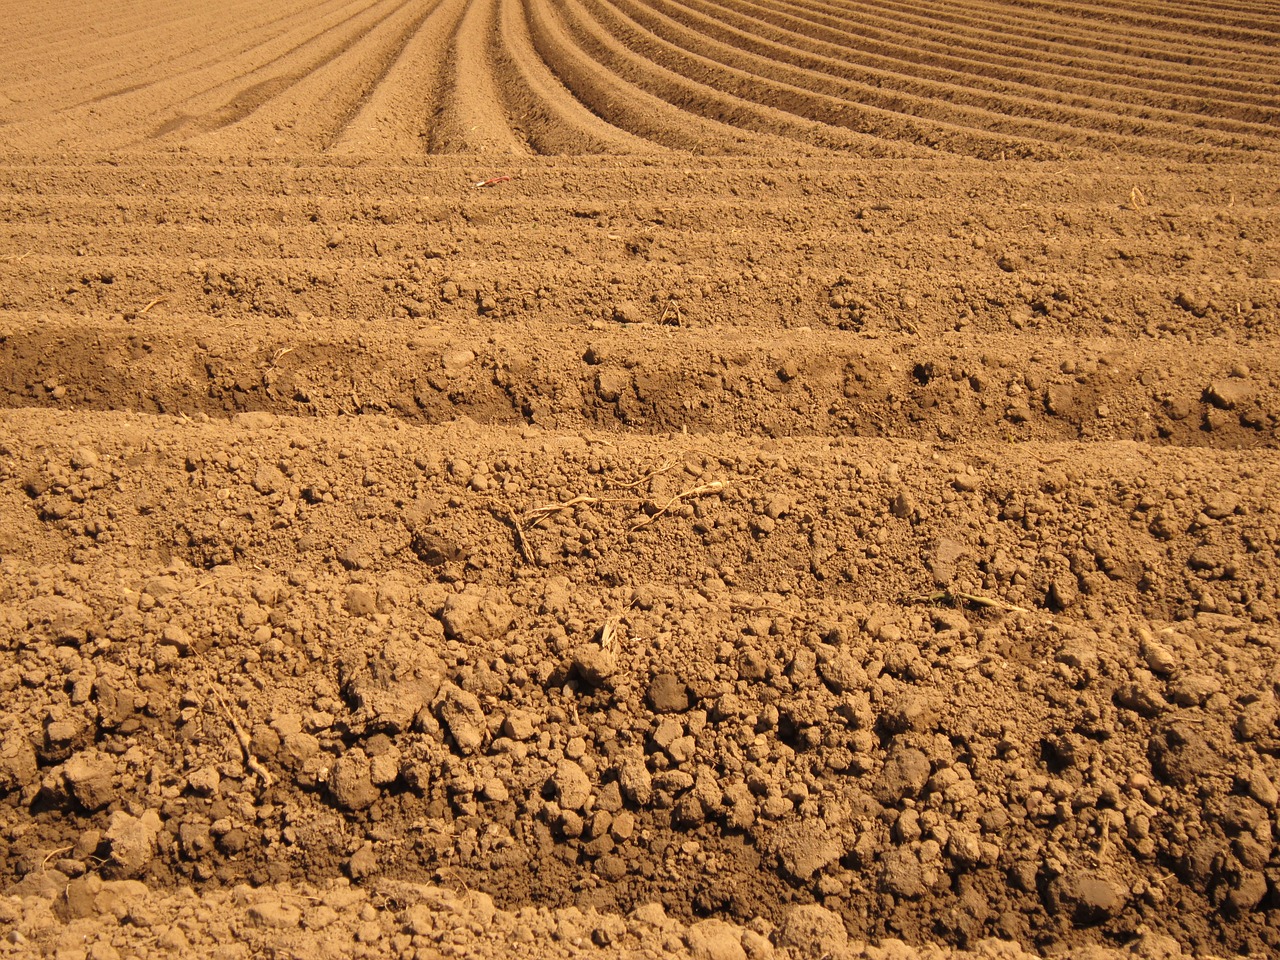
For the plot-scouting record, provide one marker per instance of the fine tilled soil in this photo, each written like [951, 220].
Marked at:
[639, 478]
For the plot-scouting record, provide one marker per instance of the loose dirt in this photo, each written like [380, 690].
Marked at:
[639, 478]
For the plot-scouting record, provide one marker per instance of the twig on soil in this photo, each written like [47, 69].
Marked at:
[953, 597]
[656, 472]
[150, 304]
[671, 314]
[250, 761]
[53, 853]
[16, 257]
[508, 515]
[609, 632]
[715, 486]
[492, 181]
[538, 514]
[279, 355]
[1137, 199]
[535, 516]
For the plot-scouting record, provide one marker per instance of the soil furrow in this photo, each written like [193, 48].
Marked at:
[398, 112]
[626, 104]
[1077, 48]
[471, 118]
[552, 119]
[552, 479]
[938, 61]
[797, 87]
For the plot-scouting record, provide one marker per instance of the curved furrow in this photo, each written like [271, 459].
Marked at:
[740, 97]
[178, 48]
[939, 61]
[244, 96]
[396, 115]
[211, 40]
[60, 36]
[217, 91]
[876, 109]
[309, 114]
[1062, 47]
[999, 19]
[931, 42]
[547, 114]
[471, 118]
[1177, 36]
[890, 115]
[641, 97]
[959, 102]
[953, 25]
[1152, 21]
[617, 101]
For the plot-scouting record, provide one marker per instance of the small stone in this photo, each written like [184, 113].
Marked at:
[335, 239]
[594, 664]
[666, 694]
[627, 311]
[1262, 789]
[1159, 658]
[361, 601]
[462, 716]
[204, 782]
[1228, 394]
[813, 931]
[1091, 898]
[274, 915]
[132, 842]
[349, 782]
[518, 725]
[612, 384]
[363, 863]
[715, 940]
[476, 614]
[457, 359]
[89, 778]
[572, 786]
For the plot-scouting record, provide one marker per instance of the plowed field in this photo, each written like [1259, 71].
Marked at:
[728, 478]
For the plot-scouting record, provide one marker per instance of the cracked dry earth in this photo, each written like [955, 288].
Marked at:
[638, 478]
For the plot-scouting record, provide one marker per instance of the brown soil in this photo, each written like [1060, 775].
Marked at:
[728, 478]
